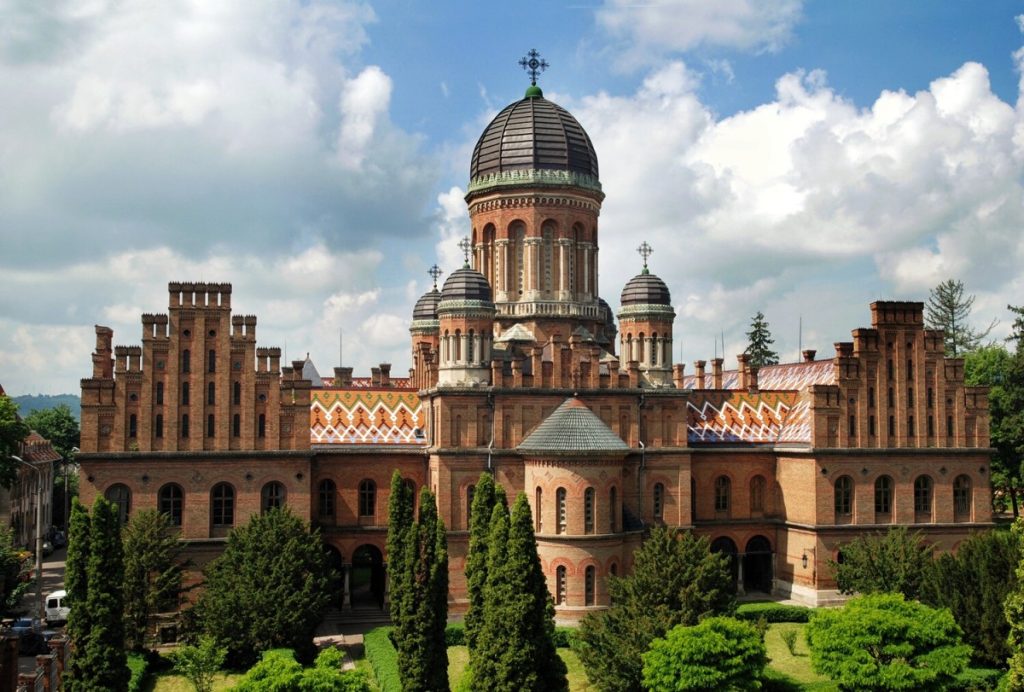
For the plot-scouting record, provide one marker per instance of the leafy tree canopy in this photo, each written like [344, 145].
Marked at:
[893, 562]
[200, 663]
[676, 580]
[884, 642]
[759, 342]
[949, 309]
[720, 653]
[14, 571]
[13, 432]
[278, 671]
[58, 425]
[152, 572]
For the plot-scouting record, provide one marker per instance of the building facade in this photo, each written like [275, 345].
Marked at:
[520, 369]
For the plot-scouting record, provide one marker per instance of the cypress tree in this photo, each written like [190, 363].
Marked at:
[400, 526]
[152, 572]
[492, 639]
[476, 555]
[76, 583]
[104, 664]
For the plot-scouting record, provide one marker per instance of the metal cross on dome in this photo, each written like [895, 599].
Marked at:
[645, 251]
[434, 272]
[465, 246]
[533, 64]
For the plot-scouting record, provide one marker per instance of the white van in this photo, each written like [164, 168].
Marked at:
[57, 607]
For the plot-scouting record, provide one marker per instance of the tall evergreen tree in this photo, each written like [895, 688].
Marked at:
[759, 342]
[400, 527]
[104, 665]
[422, 654]
[949, 309]
[152, 572]
[676, 580]
[476, 555]
[515, 648]
[76, 583]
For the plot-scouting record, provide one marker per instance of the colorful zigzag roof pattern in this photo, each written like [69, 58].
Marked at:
[366, 417]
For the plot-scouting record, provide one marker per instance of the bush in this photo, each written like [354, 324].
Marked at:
[773, 612]
[278, 671]
[383, 658]
[978, 679]
[566, 637]
[138, 664]
[719, 653]
[199, 663]
[789, 639]
[455, 635]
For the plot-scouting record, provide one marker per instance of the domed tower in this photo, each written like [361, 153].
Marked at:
[534, 198]
[424, 331]
[645, 323]
[465, 314]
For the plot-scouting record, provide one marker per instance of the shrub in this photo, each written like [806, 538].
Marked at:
[773, 612]
[789, 639]
[199, 663]
[278, 671]
[978, 679]
[719, 653]
[455, 635]
[138, 664]
[566, 637]
[383, 658]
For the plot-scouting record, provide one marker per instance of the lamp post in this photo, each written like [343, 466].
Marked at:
[67, 498]
[40, 612]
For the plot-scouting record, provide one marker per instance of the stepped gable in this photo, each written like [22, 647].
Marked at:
[572, 429]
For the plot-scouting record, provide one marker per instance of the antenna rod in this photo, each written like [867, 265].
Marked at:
[341, 344]
[800, 340]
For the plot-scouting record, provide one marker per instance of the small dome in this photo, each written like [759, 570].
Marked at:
[426, 306]
[645, 289]
[466, 284]
[533, 134]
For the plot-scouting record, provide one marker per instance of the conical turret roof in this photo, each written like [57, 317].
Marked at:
[573, 429]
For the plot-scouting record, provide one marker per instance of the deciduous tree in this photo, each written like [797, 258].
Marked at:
[884, 642]
[58, 425]
[199, 664]
[720, 653]
[676, 580]
[268, 589]
[14, 571]
[949, 309]
[152, 572]
[990, 366]
[759, 342]
[893, 562]
[13, 431]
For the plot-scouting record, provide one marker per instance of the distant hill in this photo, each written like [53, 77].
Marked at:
[27, 403]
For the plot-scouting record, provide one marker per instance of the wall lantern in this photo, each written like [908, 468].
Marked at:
[804, 560]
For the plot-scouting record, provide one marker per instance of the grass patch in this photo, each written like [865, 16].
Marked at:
[578, 681]
[458, 660]
[169, 682]
[796, 668]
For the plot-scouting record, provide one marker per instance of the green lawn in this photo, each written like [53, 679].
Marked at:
[797, 668]
[168, 682]
[458, 659]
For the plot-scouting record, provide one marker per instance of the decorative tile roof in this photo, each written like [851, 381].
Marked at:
[36, 449]
[572, 428]
[361, 416]
[738, 417]
[785, 376]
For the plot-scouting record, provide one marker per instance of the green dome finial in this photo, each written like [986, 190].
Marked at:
[533, 92]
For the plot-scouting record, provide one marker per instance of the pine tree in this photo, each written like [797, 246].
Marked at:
[400, 526]
[76, 583]
[152, 572]
[759, 340]
[949, 309]
[476, 556]
[104, 665]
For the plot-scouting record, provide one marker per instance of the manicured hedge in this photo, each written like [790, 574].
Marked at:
[138, 664]
[455, 635]
[773, 612]
[383, 658]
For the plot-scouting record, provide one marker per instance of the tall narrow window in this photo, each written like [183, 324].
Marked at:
[538, 508]
[757, 490]
[271, 496]
[236, 425]
[588, 510]
[658, 502]
[470, 493]
[923, 498]
[892, 426]
[853, 428]
[891, 369]
[560, 507]
[222, 506]
[949, 426]
[589, 585]
[931, 426]
[910, 426]
[883, 495]
[326, 492]
[962, 496]
[931, 397]
[184, 394]
[184, 425]
[186, 361]
[159, 392]
[211, 394]
[843, 496]
[212, 361]
[367, 498]
[159, 425]
[121, 496]
[209, 426]
[871, 397]
[910, 397]
[236, 394]
[892, 397]
[560, 586]
[613, 510]
[723, 491]
[172, 499]
[910, 368]
[262, 425]
[133, 426]
[871, 426]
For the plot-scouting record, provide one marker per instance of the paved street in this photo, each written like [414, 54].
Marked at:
[53, 579]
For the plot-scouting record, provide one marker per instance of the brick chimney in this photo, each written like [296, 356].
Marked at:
[698, 369]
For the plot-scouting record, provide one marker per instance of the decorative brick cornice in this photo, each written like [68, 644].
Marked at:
[640, 312]
[533, 200]
[534, 178]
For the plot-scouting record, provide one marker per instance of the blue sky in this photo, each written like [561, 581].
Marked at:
[800, 158]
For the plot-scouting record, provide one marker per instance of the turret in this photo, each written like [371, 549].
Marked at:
[645, 320]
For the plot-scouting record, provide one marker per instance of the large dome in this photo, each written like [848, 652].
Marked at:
[645, 289]
[426, 306]
[533, 134]
[466, 284]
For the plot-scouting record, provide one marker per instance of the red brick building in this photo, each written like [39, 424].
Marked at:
[520, 369]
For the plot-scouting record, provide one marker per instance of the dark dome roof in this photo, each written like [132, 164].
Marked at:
[426, 306]
[645, 289]
[466, 284]
[533, 134]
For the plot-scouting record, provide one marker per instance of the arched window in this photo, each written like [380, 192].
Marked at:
[133, 426]
[723, 493]
[614, 570]
[211, 394]
[262, 425]
[121, 496]
[236, 393]
[757, 490]
[186, 361]
[547, 256]
[613, 510]
[560, 507]
[184, 425]
[222, 506]
[271, 496]
[212, 361]
[843, 500]
[159, 392]
[883, 495]
[962, 496]
[588, 510]
[658, 501]
[367, 498]
[210, 429]
[923, 498]
[236, 425]
[159, 425]
[326, 491]
[589, 585]
[518, 234]
[171, 498]
[538, 508]
[184, 394]
[560, 586]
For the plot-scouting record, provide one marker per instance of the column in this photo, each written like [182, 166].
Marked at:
[739, 581]
[346, 594]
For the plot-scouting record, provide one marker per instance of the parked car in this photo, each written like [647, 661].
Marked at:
[32, 637]
[57, 609]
